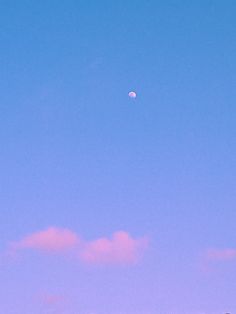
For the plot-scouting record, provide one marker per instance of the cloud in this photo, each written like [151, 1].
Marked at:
[220, 254]
[49, 240]
[52, 303]
[52, 299]
[120, 249]
[212, 256]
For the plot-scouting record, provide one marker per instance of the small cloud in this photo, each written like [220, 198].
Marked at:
[214, 255]
[52, 240]
[52, 299]
[220, 254]
[52, 303]
[120, 249]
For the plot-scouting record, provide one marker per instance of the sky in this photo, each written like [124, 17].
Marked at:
[110, 204]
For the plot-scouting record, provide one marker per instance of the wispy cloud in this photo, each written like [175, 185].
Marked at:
[220, 254]
[52, 299]
[213, 256]
[121, 248]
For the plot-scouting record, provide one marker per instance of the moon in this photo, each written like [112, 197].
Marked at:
[132, 95]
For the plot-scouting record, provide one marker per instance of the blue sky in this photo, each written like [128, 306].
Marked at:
[77, 153]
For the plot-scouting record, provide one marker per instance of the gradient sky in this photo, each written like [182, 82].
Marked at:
[153, 177]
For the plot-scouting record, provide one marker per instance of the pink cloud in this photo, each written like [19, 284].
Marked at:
[210, 257]
[49, 240]
[220, 254]
[52, 299]
[120, 249]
